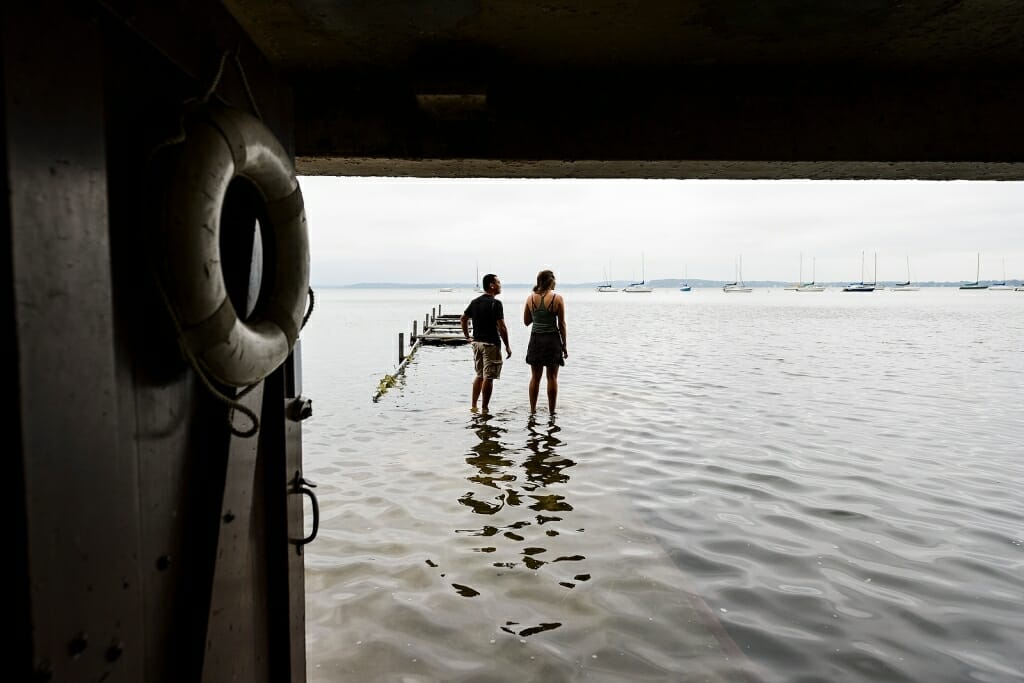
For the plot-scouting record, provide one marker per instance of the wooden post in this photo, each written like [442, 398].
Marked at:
[426, 323]
[412, 339]
[401, 346]
[433, 314]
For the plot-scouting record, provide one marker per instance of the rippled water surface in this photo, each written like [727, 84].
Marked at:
[774, 486]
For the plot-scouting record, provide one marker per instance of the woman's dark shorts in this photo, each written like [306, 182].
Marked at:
[545, 349]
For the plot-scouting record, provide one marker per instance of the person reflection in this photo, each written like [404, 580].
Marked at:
[527, 508]
[544, 467]
[492, 466]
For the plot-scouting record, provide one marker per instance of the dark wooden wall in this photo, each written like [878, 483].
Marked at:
[151, 543]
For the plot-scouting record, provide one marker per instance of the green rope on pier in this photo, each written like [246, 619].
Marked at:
[386, 383]
[389, 381]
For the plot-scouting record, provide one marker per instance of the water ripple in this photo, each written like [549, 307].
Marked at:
[732, 490]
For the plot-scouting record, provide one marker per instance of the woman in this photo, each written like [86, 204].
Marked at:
[548, 348]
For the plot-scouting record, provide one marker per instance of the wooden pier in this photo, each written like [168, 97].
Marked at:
[444, 330]
[438, 330]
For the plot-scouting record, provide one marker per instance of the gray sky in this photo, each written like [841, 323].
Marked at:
[438, 230]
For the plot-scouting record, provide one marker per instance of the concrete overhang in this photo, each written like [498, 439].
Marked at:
[686, 89]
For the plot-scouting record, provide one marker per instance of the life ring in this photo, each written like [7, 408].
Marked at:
[222, 144]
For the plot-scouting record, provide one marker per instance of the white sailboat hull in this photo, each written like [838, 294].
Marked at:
[640, 287]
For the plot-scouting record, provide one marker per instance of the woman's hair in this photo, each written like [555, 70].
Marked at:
[545, 279]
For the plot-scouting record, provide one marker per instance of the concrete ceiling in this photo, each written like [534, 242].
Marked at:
[465, 35]
[610, 88]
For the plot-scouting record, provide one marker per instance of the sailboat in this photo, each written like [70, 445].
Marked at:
[905, 286]
[684, 286]
[476, 285]
[811, 286]
[976, 284]
[862, 286]
[1001, 286]
[608, 286]
[639, 287]
[737, 286]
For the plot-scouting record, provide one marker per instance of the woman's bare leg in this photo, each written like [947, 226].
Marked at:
[552, 387]
[535, 373]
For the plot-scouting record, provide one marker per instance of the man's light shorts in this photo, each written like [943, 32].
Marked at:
[487, 360]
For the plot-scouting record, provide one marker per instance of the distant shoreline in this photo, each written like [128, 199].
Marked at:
[656, 284]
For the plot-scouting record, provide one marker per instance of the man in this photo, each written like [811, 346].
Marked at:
[489, 330]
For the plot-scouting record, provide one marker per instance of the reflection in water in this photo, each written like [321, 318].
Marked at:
[488, 458]
[502, 490]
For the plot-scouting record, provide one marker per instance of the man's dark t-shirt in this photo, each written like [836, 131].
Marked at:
[485, 311]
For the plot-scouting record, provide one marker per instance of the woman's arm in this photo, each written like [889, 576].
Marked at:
[527, 313]
[560, 317]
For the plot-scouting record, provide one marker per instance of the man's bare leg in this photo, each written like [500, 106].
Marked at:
[477, 385]
[485, 394]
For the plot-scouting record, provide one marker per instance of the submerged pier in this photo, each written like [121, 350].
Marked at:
[443, 330]
[438, 330]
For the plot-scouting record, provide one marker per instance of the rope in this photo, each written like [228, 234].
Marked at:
[233, 404]
[179, 137]
[245, 83]
[237, 59]
[216, 78]
[309, 311]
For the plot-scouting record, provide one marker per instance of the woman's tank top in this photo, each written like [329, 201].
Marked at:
[543, 319]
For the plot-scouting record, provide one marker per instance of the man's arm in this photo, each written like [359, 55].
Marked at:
[464, 321]
[503, 333]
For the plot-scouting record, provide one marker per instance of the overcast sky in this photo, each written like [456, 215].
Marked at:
[440, 231]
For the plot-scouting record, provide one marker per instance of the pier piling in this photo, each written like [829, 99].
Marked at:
[438, 330]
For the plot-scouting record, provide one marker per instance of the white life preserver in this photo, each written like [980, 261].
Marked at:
[220, 145]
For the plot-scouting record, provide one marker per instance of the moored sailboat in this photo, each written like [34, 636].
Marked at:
[608, 286]
[862, 286]
[639, 287]
[811, 286]
[905, 286]
[737, 286]
[476, 285]
[1001, 286]
[977, 274]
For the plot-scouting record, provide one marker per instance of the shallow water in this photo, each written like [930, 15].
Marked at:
[774, 486]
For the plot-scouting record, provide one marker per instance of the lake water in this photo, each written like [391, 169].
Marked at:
[774, 486]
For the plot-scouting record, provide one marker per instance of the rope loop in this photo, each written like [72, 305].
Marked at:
[309, 310]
